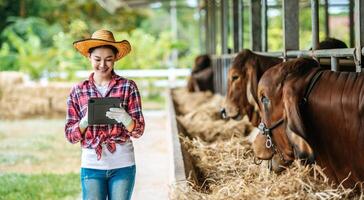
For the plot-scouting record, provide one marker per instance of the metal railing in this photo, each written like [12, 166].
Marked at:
[221, 64]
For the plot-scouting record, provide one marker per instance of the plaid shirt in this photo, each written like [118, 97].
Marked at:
[96, 135]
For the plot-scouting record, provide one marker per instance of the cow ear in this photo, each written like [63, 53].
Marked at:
[253, 78]
[252, 83]
[190, 84]
[295, 129]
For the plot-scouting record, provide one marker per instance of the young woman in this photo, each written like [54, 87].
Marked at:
[107, 161]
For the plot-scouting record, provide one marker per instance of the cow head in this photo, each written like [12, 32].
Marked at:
[201, 78]
[272, 137]
[280, 92]
[242, 85]
[236, 100]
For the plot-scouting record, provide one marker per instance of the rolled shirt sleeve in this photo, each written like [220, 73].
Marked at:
[72, 129]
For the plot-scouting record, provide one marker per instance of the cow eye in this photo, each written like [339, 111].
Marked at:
[235, 77]
[264, 100]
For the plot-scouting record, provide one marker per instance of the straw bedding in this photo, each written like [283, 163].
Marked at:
[204, 121]
[227, 167]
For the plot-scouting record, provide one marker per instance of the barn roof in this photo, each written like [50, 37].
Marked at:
[112, 5]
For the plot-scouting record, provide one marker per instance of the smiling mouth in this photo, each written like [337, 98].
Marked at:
[104, 70]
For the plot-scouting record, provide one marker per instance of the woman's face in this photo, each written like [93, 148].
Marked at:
[102, 61]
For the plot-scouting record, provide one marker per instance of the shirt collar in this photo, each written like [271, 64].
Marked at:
[114, 77]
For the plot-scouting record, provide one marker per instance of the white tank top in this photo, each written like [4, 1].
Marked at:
[122, 157]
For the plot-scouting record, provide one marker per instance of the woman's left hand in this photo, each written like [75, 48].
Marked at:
[120, 115]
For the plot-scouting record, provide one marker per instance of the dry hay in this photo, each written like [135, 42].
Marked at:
[25, 101]
[230, 173]
[225, 160]
[203, 118]
[11, 78]
[186, 102]
[205, 122]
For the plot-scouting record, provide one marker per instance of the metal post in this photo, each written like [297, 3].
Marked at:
[213, 26]
[255, 23]
[351, 23]
[359, 32]
[225, 74]
[224, 26]
[334, 64]
[202, 29]
[327, 19]
[208, 27]
[290, 24]
[242, 25]
[315, 24]
[221, 74]
[237, 25]
[174, 55]
[215, 74]
[264, 26]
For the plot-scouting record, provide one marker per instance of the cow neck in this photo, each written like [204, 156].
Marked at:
[311, 85]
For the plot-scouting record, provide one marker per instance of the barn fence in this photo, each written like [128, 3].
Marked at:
[217, 17]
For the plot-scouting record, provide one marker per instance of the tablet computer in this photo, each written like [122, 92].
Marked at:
[97, 108]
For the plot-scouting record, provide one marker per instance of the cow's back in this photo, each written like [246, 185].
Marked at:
[334, 119]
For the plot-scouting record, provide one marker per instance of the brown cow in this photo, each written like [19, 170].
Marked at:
[318, 119]
[331, 43]
[201, 78]
[243, 77]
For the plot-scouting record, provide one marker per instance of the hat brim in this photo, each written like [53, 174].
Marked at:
[83, 46]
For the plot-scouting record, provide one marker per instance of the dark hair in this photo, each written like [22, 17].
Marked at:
[113, 49]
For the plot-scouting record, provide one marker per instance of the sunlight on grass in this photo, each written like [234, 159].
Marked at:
[37, 146]
[39, 186]
[37, 162]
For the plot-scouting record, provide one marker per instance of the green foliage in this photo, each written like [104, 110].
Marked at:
[40, 42]
[187, 28]
[148, 51]
[8, 59]
[275, 29]
[27, 46]
[306, 27]
[67, 59]
[39, 186]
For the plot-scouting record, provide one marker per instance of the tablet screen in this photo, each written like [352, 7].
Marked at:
[97, 108]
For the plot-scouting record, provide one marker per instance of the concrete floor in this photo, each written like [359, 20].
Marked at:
[152, 161]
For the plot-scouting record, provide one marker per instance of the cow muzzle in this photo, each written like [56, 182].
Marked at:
[223, 114]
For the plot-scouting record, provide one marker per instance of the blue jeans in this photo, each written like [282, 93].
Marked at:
[115, 184]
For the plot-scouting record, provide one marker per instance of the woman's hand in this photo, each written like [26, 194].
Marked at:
[121, 116]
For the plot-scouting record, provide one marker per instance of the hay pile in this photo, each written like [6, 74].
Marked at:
[187, 102]
[11, 78]
[229, 172]
[29, 101]
[19, 100]
[200, 116]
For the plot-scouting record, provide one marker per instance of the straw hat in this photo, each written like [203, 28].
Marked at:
[100, 38]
